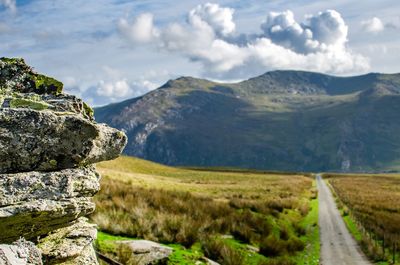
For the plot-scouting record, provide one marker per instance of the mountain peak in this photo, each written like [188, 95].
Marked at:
[281, 120]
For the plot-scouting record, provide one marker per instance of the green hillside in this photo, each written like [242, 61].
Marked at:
[282, 120]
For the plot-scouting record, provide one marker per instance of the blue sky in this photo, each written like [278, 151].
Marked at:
[109, 50]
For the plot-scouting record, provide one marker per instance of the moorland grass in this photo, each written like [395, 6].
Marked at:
[371, 210]
[140, 199]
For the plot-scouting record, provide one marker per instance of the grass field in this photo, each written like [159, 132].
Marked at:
[233, 217]
[370, 205]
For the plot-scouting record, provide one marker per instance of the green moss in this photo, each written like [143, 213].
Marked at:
[12, 60]
[45, 84]
[27, 103]
[88, 110]
[18, 76]
[53, 162]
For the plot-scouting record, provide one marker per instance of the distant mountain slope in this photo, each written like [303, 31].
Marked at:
[282, 120]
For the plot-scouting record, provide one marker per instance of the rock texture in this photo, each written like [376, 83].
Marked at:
[147, 252]
[48, 141]
[21, 252]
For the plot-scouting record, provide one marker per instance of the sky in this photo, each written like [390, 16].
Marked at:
[110, 50]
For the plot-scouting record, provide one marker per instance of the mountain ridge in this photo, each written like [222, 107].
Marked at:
[281, 120]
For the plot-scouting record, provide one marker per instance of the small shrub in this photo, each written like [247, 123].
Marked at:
[373, 251]
[272, 246]
[125, 255]
[276, 205]
[284, 233]
[304, 209]
[345, 211]
[222, 253]
[299, 229]
[242, 232]
[295, 244]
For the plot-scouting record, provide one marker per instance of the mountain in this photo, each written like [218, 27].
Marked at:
[281, 120]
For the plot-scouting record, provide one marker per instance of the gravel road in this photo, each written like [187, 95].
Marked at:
[337, 245]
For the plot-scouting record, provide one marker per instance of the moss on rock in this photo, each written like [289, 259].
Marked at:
[88, 110]
[16, 75]
[47, 85]
[27, 103]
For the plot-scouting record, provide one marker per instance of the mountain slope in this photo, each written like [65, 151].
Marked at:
[282, 120]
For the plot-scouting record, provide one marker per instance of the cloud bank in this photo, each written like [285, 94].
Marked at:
[209, 37]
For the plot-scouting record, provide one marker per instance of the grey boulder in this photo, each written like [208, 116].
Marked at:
[145, 252]
[43, 141]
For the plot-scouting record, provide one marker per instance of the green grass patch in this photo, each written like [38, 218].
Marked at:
[352, 227]
[181, 255]
[105, 243]
[311, 255]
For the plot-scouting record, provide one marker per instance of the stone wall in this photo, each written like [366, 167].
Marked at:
[48, 143]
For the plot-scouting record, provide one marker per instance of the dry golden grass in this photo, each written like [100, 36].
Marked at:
[217, 185]
[171, 205]
[374, 202]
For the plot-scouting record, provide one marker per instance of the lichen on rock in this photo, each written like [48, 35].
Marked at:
[48, 141]
[17, 76]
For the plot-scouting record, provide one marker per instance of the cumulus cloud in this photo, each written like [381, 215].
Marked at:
[373, 25]
[218, 18]
[9, 4]
[141, 30]
[318, 43]
[114, 86]
[325, 31]
[117, 89]
[114, 90]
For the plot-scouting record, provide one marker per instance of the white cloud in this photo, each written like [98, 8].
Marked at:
[324, 31]
[10, 4]
[373, 25]
[283, 29]
[141, 30]
[219, 18]
[317, 44]
[328, 28]
[117, 89]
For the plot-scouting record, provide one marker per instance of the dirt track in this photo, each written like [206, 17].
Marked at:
[337, 245]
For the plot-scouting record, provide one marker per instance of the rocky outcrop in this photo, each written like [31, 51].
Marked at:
[48, 143]
[45, 140]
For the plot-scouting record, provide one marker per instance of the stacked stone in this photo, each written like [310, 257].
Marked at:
[48, 143]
